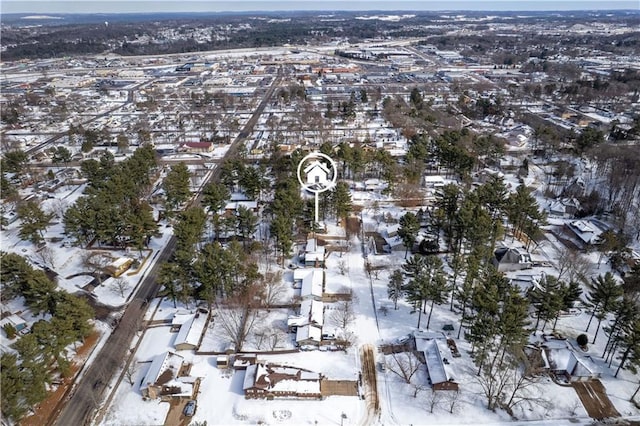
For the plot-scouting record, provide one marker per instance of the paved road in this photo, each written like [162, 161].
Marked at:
[82, 401]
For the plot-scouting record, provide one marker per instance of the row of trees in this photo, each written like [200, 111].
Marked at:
[43, 352]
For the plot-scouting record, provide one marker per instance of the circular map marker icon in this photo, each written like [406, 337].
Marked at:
[314, 175]
[317, 173]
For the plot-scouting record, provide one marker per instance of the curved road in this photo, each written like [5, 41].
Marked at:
[86, 396]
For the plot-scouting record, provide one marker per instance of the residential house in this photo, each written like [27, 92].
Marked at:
[392, 240]
[119, 266]
[17, 322]
[191, 331]
[586, 230]
[198, 147]
[564, 361]
[566, 207]
[163, 379]
[436, 355]
[511, 259]
[308, 335]
[271, 381]
[314, 254]
[434, 181]
[310, 282]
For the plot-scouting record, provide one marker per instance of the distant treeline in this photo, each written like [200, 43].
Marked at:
[76, 35]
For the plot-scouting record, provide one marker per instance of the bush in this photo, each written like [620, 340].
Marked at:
[10, 330]
[582, 340]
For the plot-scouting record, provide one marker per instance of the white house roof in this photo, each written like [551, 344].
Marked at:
[562, 357]
[308, 332]
[316, 164]
[586, 230]
[313, 247]
[297, 321]
[180, 317]
[424, 337]
[439, 372]
[235, 205]
[253, 371]
[191, 330]
[311, 282]
[313, 310]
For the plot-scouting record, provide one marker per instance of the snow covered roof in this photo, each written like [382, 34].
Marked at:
[563, 358]
[312, 280]
[313, 247]
[235, 205]
[166, 362]
[191, 330]
[281, 379]
[313, 310]
[308, 332]
[511, 255]
[586, 230]
[439, 372]
[423, 337]
[180, 317]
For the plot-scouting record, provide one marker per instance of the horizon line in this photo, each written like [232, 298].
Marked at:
[79, 7]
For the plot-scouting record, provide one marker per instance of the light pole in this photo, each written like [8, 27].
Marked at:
[343, 416]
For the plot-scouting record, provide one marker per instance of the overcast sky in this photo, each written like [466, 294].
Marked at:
[124, 6]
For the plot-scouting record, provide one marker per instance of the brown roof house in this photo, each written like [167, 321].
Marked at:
[273, 381]
[164, 380]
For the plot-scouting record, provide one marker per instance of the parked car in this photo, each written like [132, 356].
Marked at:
[190, 408]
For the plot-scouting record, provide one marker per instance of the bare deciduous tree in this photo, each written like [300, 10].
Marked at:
[130, 372]
[342, 267]
[274, 288]
[505, 385]
[119, 285]
[572, 265]
[433, 399]
[239, 317]
[452, 399]
[47, 257]
[404, 365]
[96, 262]
[342, 315]
[417, 388]
[59, 207]
[275, 338]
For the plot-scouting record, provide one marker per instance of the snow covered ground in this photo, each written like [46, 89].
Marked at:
[220, 398]
[221, 401]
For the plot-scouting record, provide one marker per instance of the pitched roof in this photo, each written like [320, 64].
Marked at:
[164, 367]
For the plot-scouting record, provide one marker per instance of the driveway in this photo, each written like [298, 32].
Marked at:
[595, 400]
